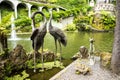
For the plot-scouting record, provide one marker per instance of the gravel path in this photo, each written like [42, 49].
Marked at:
[97, 73]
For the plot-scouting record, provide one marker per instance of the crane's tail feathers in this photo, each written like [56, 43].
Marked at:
[64, 42]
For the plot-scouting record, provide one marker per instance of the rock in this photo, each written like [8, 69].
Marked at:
[76, 56]
[2, 68]
[15, 60]
[18, 55]
[83, 53]
[47, 56]
[31, 56]
[105, 59]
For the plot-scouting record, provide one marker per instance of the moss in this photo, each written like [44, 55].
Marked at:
[47, 65]
[50, 65]
[23, 76]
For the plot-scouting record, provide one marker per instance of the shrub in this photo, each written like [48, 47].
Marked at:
[70, 27]
[5, 23]
[108, 21]
[23, 24]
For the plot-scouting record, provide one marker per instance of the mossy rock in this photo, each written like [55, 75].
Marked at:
[105, 59]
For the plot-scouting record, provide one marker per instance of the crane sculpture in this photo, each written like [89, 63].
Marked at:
[58, 36]
[37, 37]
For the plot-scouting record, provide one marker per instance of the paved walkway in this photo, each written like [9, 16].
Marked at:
[97, 73]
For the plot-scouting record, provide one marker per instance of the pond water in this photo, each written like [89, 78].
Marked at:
[103, 42]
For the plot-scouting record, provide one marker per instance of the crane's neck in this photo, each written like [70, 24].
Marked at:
[33, 24]
[33, 19]
[45, 20]
[43, 26]
[50, 20]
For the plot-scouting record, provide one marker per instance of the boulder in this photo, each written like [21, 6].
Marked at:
[15, 60]
[18, 56]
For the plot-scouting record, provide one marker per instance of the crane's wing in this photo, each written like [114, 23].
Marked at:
[33, 35]
[59, 32]
[62, 36]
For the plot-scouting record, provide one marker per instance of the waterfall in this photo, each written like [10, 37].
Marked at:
[13, 32]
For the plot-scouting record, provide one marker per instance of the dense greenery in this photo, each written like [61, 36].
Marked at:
[69, 4]
[83, 13]
[23, 24]
[84, 19]
[107, 20]
[102, 21]
[71, 27]
[5, 23]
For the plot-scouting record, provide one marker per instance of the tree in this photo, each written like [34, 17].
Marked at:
[115, 62]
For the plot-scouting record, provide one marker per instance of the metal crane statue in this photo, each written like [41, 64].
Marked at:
[37, 37]
[58, 36]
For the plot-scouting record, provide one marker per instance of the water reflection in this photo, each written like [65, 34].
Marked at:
[103, 42]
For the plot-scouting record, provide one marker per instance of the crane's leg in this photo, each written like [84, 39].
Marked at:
[60, 53]
[34, 61]
[55, 52]
[42, 59]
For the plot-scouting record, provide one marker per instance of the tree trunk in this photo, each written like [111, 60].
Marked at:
[115, 62]
[3, 41]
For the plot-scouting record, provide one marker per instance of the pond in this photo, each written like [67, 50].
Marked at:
[103, 42]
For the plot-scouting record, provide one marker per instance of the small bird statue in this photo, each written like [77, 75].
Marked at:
[91, 51]
[37, 37]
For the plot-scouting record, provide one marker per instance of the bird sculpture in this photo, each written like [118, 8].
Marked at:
[37, 37]
[58, 36]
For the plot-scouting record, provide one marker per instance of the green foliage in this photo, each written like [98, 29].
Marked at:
[71, 3]
[108, 20]
[23, 76]
[30, 64]
[6, 22]
[65, 14]
[81, 19]
[71, 27]
[50, 65]
[8, 68]
[5, 10]
[52, 1]
[23, 24]
[22, 11]
[114, 2]
[103, 21]
[47, 65]
[84, 10]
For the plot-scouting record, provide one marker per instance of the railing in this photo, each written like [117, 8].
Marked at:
[104, 6]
